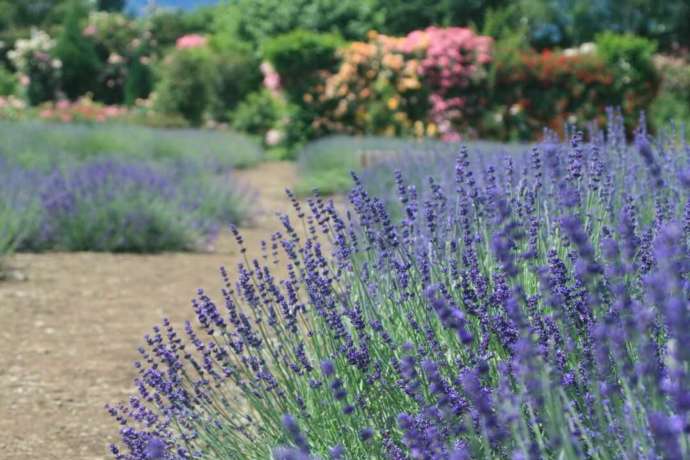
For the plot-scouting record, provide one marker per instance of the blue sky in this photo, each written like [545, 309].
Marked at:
[187, 4]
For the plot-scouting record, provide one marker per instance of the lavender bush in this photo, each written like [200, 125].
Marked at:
[47, 145]
[17, 208]
[325, 164]
[121, 188]
[535, 306]
[108, 204]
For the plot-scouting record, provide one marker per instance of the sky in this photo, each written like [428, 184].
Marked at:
[138, 5]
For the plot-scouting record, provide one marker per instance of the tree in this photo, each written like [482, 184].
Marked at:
[111, 5]
[80, 63]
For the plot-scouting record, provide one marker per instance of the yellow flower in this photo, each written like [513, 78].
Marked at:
[431, 129]
[393, 103]
[400, 117]
[418, 128]
[389, 131]
[408, 84]
[393, 61]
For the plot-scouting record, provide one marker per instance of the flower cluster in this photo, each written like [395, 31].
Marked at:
[376, 89]
[34, 51]
[191, 41]
[454, 59]
[124, 47]
[523, 306]
[421, 84]
[83, 110]
[551, 89]
[38, 70]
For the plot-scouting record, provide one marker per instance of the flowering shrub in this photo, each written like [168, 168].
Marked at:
[12, 108]
[185, 86]
[453, 67]
[191, 41]
[126, 49]
[38, 70]
[673, 101]
[533, 306]
[376, 90]
[550, 88]
[424, 83]
[82, 110]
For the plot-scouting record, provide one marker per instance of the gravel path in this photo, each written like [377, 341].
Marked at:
[69, 332]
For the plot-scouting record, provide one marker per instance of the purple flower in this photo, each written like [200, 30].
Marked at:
[155, 449]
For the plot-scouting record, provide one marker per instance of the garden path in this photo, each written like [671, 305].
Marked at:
[69, 332]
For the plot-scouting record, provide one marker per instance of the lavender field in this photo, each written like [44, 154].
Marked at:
[344, 229]
[118, 189]
[490, 305]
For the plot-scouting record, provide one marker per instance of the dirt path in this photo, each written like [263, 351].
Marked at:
[68, 335]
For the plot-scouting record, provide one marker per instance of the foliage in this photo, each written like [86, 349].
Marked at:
[520, 307]
[167, 25]
[673, 101]
[630, 58]
[403, 16]
[8, 83]
[263, 19]
[111, 5]
[78, 56]
[235, 75]
[299, 57]
[548, 88]
[258, 113]
[185, 85]
[555, 23]
[273, 119]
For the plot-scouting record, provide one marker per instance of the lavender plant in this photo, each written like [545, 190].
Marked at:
[109, 204]
[532, 307]
[18, 211]
[47, 145]
[326, 164]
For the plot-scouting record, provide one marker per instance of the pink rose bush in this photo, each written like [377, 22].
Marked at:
[454, 60]
[424, 84]
[191, 41]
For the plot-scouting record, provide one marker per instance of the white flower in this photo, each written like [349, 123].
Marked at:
[115, 58]
[274, 137]
[588, 47]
